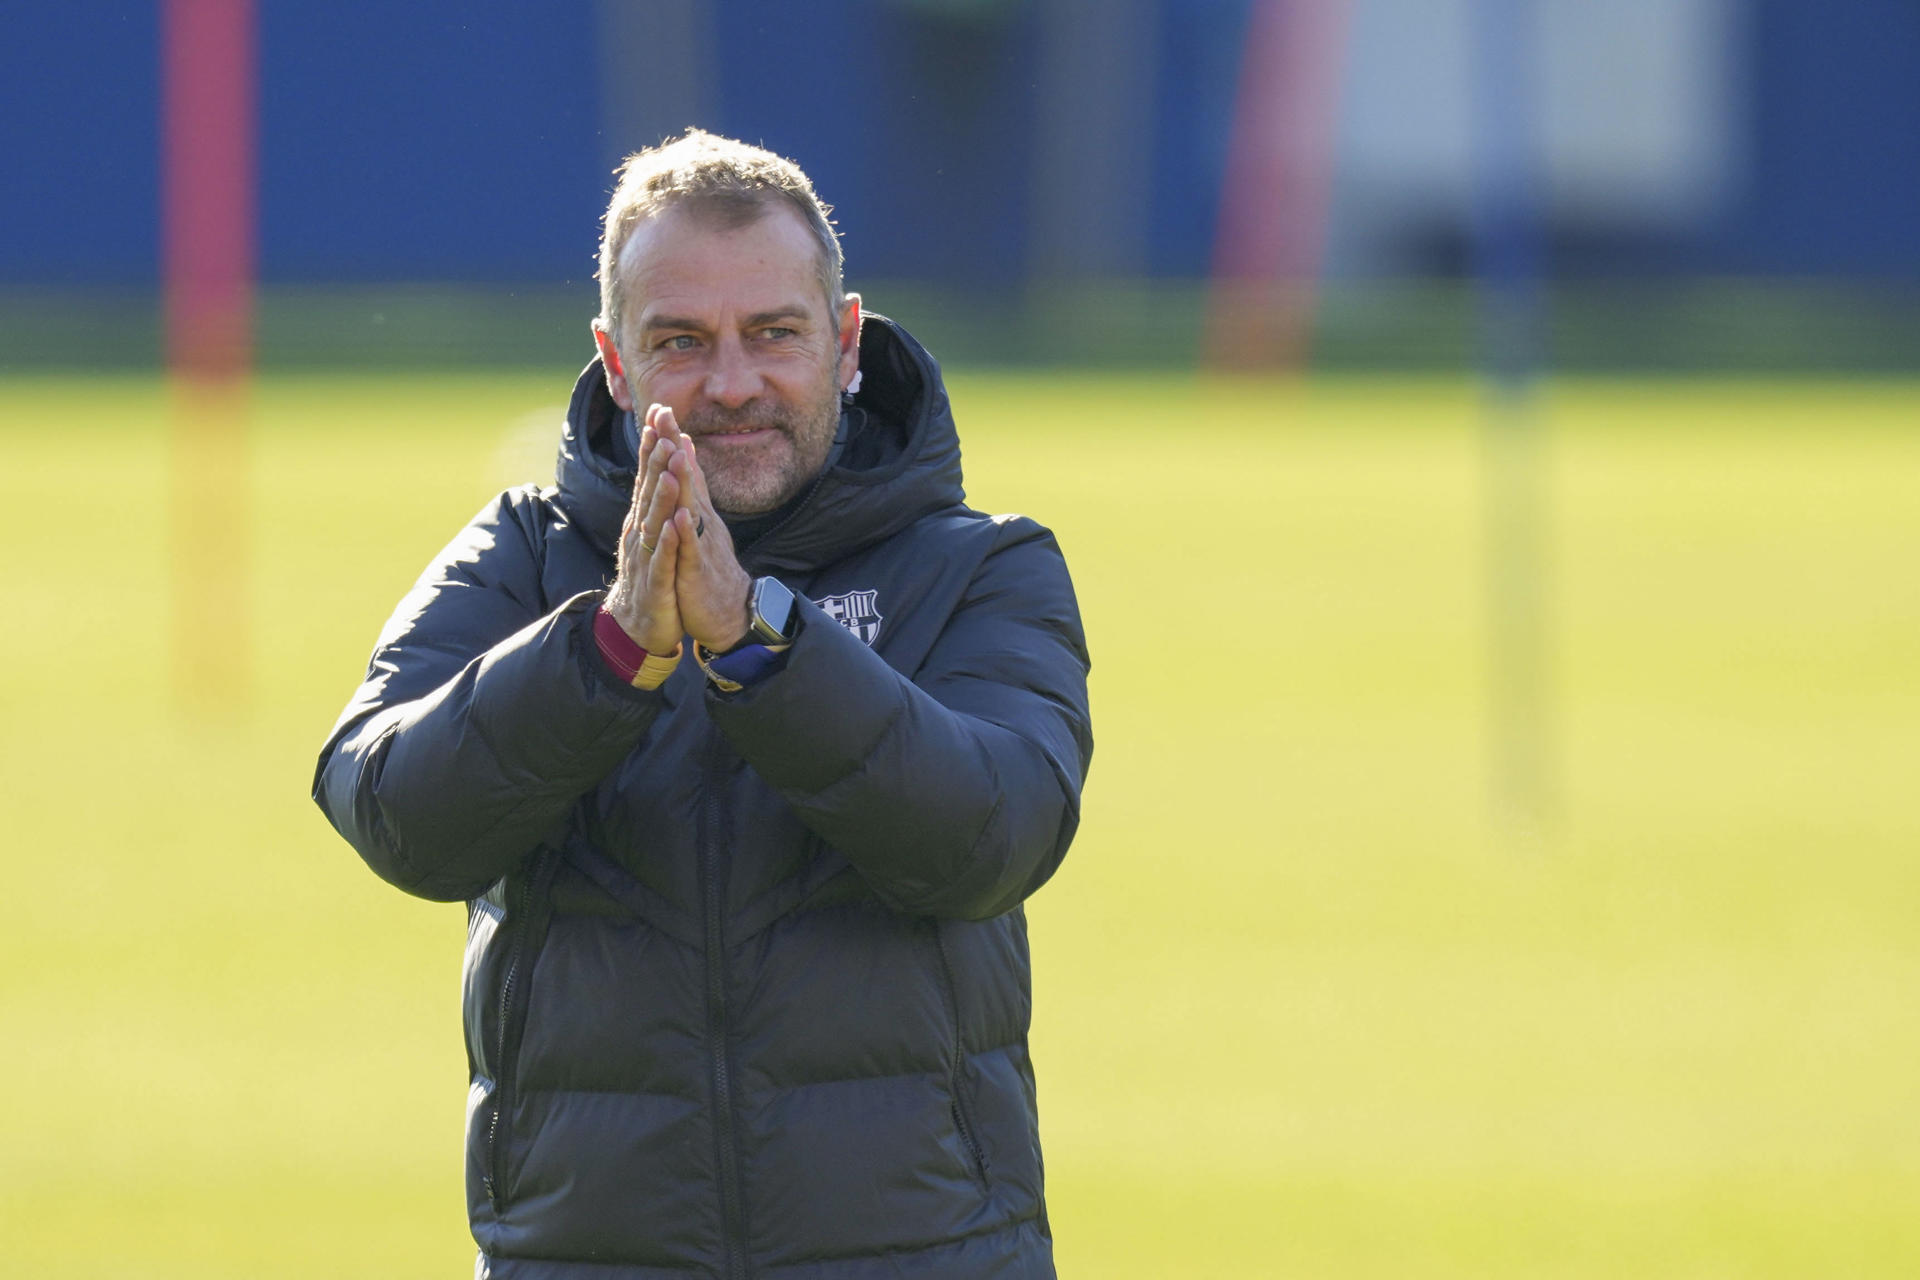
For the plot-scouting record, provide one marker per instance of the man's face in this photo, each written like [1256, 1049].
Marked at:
[730, 328]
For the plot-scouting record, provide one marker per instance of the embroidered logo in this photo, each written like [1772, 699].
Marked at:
[857, 611]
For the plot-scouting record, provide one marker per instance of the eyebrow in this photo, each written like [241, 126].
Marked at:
[672, 322]
[762, 319]
[757, 320]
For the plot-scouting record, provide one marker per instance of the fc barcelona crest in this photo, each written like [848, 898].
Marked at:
[857, 611]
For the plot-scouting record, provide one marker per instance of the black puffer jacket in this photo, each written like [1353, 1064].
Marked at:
[746, 981]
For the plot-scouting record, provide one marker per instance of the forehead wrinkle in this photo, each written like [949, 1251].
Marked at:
[791, 311]
[677, 306]
[682, 219]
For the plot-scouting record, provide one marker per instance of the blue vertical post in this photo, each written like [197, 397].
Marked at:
[1509, 261]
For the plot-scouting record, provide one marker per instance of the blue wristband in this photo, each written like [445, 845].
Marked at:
[747, 664]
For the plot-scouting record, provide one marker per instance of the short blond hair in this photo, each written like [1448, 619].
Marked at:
[730, 182]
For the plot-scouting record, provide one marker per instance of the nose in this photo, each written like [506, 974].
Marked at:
[732, 378]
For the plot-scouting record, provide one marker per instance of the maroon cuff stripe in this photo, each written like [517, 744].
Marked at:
[616, 646]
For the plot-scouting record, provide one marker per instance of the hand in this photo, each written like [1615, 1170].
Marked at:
[710, 585]
[643, 596]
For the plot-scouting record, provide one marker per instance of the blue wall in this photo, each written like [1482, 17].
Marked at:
[79, 144]
[462, 139]
[439, 140]
[1835, 186]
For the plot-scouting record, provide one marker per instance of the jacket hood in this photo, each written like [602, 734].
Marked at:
[899, 461]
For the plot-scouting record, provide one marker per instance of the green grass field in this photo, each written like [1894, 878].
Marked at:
[1300, 1009]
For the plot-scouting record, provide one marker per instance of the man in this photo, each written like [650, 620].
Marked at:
[745, 742]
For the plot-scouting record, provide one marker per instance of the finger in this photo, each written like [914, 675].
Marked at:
[666, 496]
[659, 453]
[660, 573]
[628, 554]
[686, 525]
[683, 469]
[697, 477]
[648, 438]
[693, 483]
[653, 418]
[657, 461]
[665, 423]
[707, 556]
[632, 534]
[706, 522]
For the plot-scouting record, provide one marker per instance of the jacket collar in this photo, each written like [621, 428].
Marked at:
[903, 464]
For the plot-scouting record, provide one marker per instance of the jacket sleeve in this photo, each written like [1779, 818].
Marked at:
[955, 793]
[481, 721]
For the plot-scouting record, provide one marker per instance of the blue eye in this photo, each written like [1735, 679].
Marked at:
[679, 342]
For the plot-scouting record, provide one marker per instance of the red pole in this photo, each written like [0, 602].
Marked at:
[207, 181]
[1271, 232]
[208, 119]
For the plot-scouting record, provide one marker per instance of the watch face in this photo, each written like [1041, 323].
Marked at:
[773, 606]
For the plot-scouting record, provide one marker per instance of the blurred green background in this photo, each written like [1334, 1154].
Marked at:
[1486, 438]
[1301, 1007]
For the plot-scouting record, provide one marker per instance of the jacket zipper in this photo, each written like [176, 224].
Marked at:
[513, 1022]
[712, 839]
[956, 1070]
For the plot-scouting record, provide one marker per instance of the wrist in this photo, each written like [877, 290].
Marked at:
[743, 622]
[640, 628]
[769, 626]
[634, 663]
[747, 664]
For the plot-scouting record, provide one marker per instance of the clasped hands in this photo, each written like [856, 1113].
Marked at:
[676, 573]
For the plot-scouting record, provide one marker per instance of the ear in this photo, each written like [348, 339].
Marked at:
[849, 339]
[616, 373]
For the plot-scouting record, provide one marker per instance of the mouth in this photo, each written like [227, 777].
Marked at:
[737, 435]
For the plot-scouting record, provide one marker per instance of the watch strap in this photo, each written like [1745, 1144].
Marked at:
[739, 667]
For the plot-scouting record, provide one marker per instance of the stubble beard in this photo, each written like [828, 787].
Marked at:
[754, 485]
